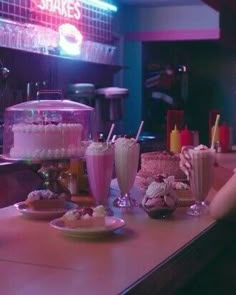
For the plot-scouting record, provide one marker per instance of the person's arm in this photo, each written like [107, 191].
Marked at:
[223, 205]
[220, 176]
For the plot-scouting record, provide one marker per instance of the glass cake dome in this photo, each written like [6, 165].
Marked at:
[47, 129]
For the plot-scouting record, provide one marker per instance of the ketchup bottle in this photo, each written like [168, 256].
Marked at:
[186, 137]
[224, 137]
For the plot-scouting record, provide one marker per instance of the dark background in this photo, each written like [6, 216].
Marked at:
[210, 75]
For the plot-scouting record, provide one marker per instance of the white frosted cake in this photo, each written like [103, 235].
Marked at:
[47, 129]
[39, 141]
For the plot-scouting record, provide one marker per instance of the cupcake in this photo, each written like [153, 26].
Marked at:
[160, 199]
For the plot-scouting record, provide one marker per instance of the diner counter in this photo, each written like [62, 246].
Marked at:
[147, 256]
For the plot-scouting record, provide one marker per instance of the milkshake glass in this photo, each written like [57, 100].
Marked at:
[100, 162]
[200, 176]
[126, 166]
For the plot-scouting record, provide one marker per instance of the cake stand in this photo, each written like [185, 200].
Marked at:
[50, 171]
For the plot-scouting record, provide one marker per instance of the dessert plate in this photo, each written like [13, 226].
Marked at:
[112, 223]
[23, 208]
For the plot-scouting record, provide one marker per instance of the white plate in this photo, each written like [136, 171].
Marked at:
[43, 214]
[112, 224]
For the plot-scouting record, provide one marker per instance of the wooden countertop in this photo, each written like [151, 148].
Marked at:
[43, 259]
[146, 257]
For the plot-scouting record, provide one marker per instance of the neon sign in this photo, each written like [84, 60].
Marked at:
[70, 39]
[65, 8]
[65, 16]
[71, 8]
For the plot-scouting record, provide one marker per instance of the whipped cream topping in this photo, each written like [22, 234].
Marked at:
[42, 195]
[71, 215]
[178, 185]
[125, 142]
[160, 195]
[99, 211]
[99, 148]
[85, 213]
[144, 182]
[156, 189]
[201, 147]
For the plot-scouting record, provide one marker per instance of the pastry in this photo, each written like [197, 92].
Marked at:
[85, 217]
[156, 163]
[45, 200]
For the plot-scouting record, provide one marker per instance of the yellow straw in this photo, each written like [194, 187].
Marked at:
[214, 131]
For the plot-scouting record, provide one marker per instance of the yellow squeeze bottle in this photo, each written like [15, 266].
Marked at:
[175, 145]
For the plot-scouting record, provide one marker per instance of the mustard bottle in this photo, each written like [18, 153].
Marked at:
[175, 145]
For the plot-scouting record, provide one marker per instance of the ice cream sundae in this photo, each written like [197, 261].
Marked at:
[160, 199]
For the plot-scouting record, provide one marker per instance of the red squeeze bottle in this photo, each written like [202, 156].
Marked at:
[224, 137]
[186, 137]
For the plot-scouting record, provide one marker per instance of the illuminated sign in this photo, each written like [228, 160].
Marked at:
[70, 39]
[71, 8]
[66, 17]
[64, 8]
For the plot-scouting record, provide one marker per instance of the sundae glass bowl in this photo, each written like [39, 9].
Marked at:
[160, 199]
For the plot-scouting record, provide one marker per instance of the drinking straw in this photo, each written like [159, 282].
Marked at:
[214, 131]
[139, 130]
[110, 132]
[113, 138]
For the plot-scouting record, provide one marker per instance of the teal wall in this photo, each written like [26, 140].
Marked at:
[141, 19]
[133, 81]
[170, 18]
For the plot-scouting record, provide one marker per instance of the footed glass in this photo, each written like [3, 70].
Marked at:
[200, 177]
[126, 166]
[99, 161]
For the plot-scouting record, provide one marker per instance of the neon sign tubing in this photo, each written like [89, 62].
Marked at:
[101, 4]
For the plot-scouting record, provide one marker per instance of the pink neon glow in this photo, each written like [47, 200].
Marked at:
[70, 39]
[66, 8]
